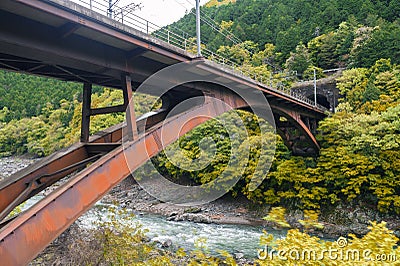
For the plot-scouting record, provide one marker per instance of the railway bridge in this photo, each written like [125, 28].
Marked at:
[77, 42]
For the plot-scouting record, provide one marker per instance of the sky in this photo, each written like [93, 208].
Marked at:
[164, 12]
[159, 12]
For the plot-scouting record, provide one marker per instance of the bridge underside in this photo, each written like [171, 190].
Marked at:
[47, 39]
[23, 237]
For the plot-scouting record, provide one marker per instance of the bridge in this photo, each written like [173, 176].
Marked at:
[73, 42]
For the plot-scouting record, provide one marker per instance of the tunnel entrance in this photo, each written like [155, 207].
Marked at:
[322, 100]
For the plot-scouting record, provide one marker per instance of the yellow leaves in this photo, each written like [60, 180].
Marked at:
[311, 220]
[229, 260]
[277, 215]
[217, 3]
[270, 196]
[266, 238]
[361, 155]
[226, 25]
[368, 90]
[350, 79]
[377, 247]
[180, 253]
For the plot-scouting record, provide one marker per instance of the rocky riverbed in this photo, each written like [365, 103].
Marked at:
[9, 165]
[339, 220]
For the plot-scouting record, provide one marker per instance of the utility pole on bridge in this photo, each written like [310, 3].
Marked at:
[110, 7]
[128, 8]
[198, 28]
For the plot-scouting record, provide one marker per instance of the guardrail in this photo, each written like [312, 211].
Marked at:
[183, 40]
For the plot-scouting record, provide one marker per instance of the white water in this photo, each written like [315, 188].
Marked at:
[232, 238]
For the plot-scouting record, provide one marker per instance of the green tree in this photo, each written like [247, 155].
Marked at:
[371, 44]
[299, 60]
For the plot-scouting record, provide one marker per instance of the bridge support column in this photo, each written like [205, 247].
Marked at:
[86, 103]
[130, 110]
[127, 106]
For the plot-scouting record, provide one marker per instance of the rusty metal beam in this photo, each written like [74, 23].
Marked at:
[295, 119]
[16, 189]
[68, 29]
[217, 70]
[135, 53]
[108, 110]
[130, 111]
[86, 103]
[16, 184]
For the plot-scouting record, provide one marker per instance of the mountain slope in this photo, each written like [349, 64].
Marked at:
[286, 23]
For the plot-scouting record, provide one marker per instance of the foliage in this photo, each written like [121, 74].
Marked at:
[288, 23]
[373, 43]
[377, 247]
[277, 215]
[239, 53]
[299, 61]
[360, 156]
[374, 89]
[24, 95]
[309, 73]
[122, 241]
[216, 134]
[37, 135]
[219, 2]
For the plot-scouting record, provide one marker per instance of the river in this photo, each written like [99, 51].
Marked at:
[239, 240]
[242, 240]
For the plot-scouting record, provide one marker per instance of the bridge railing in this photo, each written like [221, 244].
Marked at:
[183, 40]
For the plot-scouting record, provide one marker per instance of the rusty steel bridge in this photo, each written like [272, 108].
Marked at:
[77, 42]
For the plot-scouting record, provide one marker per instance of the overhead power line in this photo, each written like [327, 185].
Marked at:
[213, 24]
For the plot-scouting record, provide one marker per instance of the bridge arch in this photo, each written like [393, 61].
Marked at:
[19, 243]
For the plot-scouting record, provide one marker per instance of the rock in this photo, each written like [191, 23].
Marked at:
[359, 229]
[241, 210]
[167, 243]
[172, 218]
[173, 213]
[193, 210]
[130, 194]
[239, 255]
[192, 217]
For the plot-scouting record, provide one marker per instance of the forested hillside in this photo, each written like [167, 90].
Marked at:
[26, 96]
[360, 153]
[365, 30]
